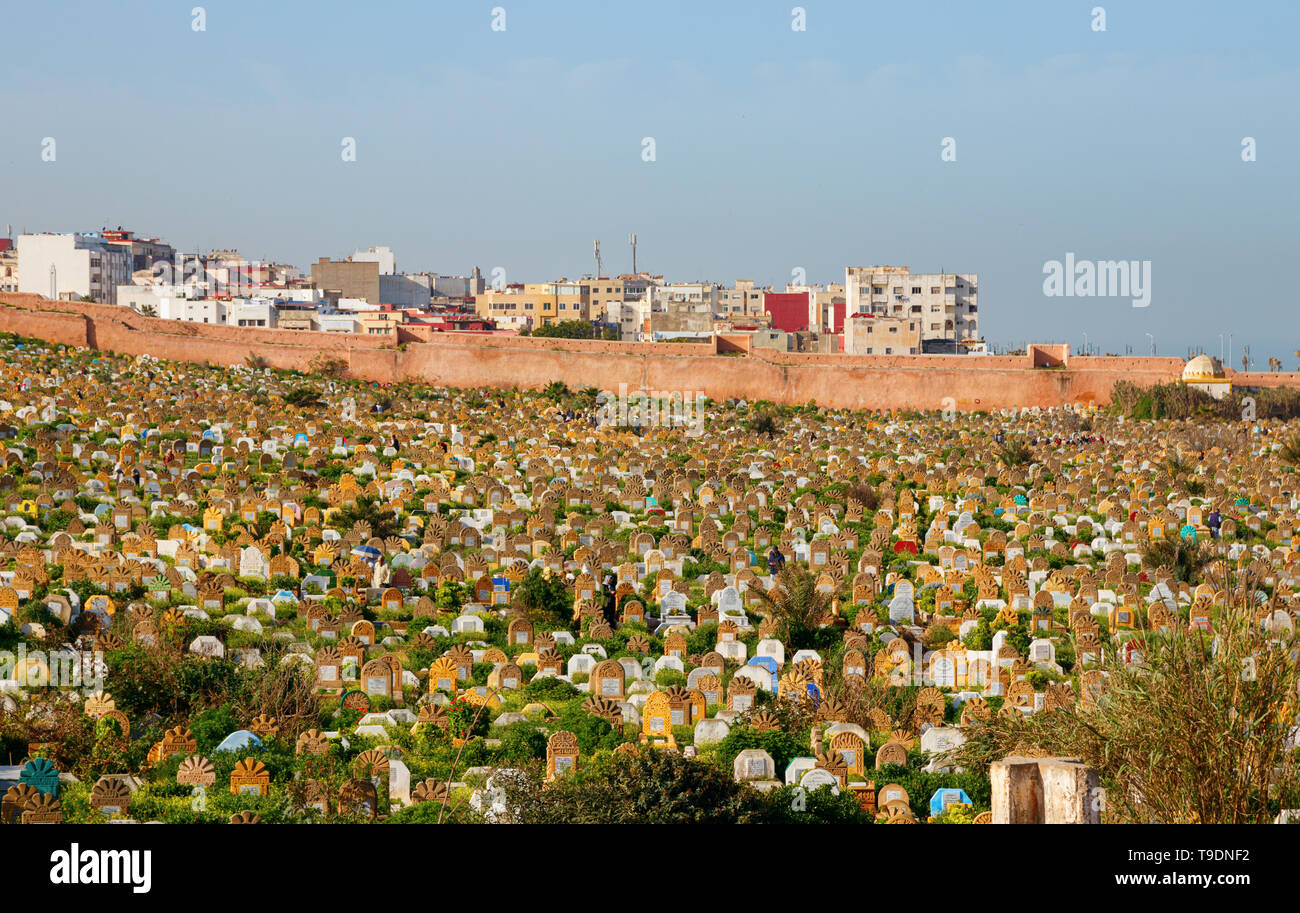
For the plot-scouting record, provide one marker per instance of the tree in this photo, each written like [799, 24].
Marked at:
[864, 494]
[1014, 453]
[765, 423]
[1290, 452]
[797, 605]
[1182, 559]
[383, 523]
[651, 786]
[326, 366]
[302, 398]
[545, 597]
[575, 329]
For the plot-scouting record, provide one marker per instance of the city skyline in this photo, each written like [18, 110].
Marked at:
[775, 149]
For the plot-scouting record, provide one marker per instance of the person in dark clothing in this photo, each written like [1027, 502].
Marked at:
[1214, 521]
[611, 602]
[775, 560]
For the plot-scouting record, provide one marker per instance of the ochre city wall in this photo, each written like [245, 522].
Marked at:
[933, 382]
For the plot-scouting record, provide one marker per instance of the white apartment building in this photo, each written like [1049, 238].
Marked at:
[171, 302]
[336, 323]
[381, 255]
[705, 293]
[72, 266]
[250, 312]
[186, 303]
[631, 318]
[945, 303]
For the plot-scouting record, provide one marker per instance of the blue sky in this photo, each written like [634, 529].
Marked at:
[775, 149]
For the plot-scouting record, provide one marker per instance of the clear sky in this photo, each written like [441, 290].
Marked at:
[775, 149]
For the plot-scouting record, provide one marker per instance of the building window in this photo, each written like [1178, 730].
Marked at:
[916, 290]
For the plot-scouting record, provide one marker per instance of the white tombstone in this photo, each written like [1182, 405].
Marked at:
[733, 650]
[580, 664]
[773, 648]
[753, 764]
[818, 778]
[467, 624]
[940, 739]
[797, 768]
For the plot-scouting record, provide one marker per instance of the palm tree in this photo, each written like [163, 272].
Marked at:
[1176, 466]
[1184, 560]
[796, 604]
[1290, 452]
[1014, 453]
[764, 423]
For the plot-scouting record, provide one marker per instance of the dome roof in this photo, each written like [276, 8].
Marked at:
[1203, 368]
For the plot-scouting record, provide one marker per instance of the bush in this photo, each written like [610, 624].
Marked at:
[1199, 733]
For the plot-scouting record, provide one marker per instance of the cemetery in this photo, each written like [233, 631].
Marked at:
[247, 595]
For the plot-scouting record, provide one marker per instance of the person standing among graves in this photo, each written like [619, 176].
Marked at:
[611, 603]
[775, 560]
[1214, 521]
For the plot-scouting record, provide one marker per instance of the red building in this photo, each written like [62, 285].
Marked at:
[788, 310]
[837, 317]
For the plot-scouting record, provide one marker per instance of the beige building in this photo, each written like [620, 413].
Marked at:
[384, 323]
[347, 278]
[601, 294]
[865, 334]
[945, 304]
[742, 300]
[9, 270]
[535, 304]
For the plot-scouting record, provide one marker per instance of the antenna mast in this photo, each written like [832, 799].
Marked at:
[631, 239]
[599, 269]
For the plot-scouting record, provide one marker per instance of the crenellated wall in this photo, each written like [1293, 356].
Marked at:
[721, 370]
